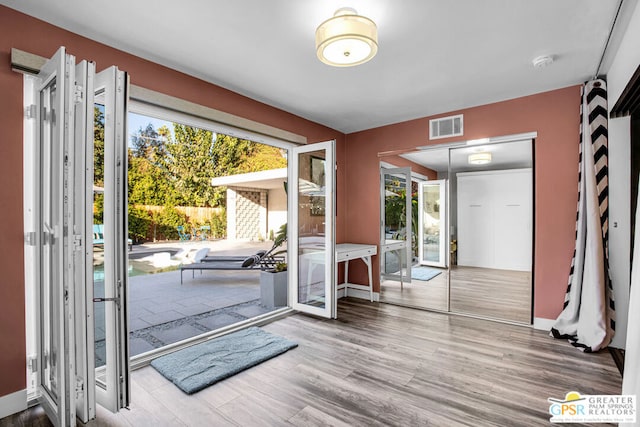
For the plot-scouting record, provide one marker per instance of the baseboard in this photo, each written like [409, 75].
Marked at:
[13, 403]
[357, 293]
[543, 324]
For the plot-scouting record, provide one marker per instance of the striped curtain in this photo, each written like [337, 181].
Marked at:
[588, 317]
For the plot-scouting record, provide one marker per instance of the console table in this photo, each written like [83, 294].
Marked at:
[346, 252]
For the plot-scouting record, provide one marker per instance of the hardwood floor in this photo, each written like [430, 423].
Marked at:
[498, 294]
[381, 364]
[501, 294]
[431, 294]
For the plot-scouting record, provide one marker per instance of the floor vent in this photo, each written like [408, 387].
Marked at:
[446, 127]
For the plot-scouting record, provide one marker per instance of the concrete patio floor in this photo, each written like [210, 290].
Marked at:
[161, 311]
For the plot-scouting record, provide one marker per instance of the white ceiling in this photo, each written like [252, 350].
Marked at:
[434, 56]
[507, 155]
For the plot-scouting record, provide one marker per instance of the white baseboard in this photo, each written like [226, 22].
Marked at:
[357, 293]
[13, 403]
[543, 324]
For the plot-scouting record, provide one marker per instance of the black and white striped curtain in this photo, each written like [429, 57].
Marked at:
[588, 317]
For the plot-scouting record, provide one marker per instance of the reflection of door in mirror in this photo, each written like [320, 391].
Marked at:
[417, 225]
[432, 223]
[493, 223]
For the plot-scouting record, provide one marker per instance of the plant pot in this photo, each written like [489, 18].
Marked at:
[273, 289]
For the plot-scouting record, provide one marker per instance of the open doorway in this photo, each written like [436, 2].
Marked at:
[189, 202]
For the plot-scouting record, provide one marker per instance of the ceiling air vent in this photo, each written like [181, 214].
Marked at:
[445, 127]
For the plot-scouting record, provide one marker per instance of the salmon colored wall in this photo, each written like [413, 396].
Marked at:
[401, 162]
[554, 115]
[23, 32]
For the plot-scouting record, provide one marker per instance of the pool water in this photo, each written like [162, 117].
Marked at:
[98, 272]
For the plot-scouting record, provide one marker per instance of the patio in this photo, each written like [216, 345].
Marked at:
[161, 311]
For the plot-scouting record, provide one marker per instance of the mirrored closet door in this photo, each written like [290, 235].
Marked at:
[471, 229]
[492, 229]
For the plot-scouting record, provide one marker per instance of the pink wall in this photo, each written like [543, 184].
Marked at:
[554, 115]
[401, 162]
[35, 36]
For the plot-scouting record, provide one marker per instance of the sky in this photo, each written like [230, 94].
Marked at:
[137, 121]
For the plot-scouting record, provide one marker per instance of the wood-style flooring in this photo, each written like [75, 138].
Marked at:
[498, 294]
[380, 364]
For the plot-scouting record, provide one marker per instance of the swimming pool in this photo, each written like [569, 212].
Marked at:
[135, 269]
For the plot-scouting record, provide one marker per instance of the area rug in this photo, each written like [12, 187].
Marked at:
[195, 368]
[424, 273]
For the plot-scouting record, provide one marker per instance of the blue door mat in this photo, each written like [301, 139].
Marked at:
[424, 273]
[197, 367]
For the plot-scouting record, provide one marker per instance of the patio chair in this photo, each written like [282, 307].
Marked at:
[203, 232]
[181, 234]
[98, 236]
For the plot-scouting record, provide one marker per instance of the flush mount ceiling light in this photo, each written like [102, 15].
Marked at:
[479, 158]
[347, 39]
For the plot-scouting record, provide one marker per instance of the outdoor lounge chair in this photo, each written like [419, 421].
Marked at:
[262, 260]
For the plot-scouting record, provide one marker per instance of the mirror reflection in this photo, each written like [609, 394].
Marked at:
[471, 230]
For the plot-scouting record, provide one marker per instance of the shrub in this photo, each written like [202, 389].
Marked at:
[219, 225]
[167, 220]
[140, 224]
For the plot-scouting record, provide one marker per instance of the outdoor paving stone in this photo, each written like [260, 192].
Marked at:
[159, 318]
[252, 310]
[193, 309]
[159, 308]
[138, 311]
[175, 334]
[139, 345]
[136, 323]
[186, 302]
[216, 321]
[221, 302]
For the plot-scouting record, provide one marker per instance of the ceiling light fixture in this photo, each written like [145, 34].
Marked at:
[347, 39]
[479, 158]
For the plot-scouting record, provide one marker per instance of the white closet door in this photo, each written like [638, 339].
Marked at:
[513, 219]
[475, 221]
[495, 218]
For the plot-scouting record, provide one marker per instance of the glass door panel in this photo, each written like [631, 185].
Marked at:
[55, 281]
[110, 240]
[312, 217]
[396, 224]
[432, 223]
[83, 256]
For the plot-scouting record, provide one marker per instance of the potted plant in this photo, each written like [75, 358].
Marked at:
[273, 277]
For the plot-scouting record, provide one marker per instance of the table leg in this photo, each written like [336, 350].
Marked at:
[367, 260]
[346, 277]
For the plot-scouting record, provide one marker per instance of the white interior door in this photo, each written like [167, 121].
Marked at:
[396, 224]
[55, 287]
[311, 193]
[110, 293]
[432, 223]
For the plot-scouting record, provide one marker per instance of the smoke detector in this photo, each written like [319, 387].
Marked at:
[542, 61]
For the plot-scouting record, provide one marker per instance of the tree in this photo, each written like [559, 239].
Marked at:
[263, 157]
[149, 144]
[98, 146]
